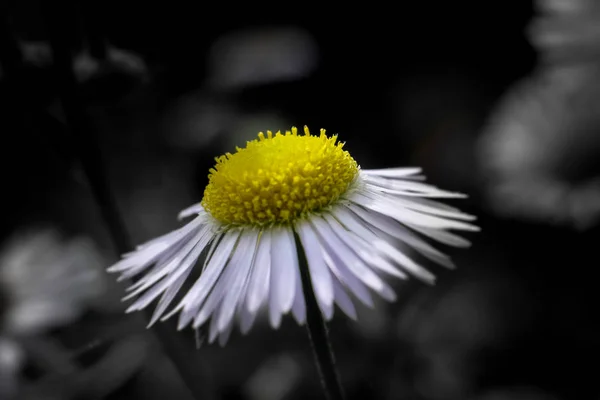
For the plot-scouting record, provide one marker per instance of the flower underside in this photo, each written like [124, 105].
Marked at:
[278, 178]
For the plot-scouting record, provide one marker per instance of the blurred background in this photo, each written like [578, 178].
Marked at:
[497, 100]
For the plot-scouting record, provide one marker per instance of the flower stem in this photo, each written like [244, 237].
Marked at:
[318, 334]
[82, 132]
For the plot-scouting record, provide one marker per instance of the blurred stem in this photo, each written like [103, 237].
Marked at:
[58, 17]
[318, 334]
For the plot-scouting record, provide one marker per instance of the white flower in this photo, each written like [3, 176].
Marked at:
[279, 196]
[539, 153]
[49, 281]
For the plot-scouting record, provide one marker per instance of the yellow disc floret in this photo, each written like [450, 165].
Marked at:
[278, 178]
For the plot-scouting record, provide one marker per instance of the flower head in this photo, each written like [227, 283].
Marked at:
[278, 179]
[281, 195]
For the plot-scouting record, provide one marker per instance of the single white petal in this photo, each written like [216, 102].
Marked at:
[409, 188]
[410, 194]
[342, 259]
[401, 184]
[213, 330]
[258, 288]
[284, 262]
[442, 236]
[247, 319]
[396, 230]
[242, 259]
[343, 300]
[393, 172]
[299, 306]
[224, 335]
[319, 272]
[195, 209]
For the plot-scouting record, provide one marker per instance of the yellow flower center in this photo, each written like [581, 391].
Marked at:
[278, 178]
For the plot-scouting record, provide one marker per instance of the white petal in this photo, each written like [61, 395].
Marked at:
[359, 228]
[404, 215]
[195, 209]
[152, 259]
[319, 273]
[153, 266]
[442, 236]
[221, 287]
[173, 280]
[168, 297]
[366, 243]
[420, 205]
[284, 262]
[242, 260]
[299, 306]
[247, 319]
[224, 335]
[396, 230]
[351, 255]
[409, 188]
[196, 243]
[213, 330]
[211, 250]
[172, 263]
[175, 235]
[393, 172]
[258, 288]
[212, 271]
[438, 205]
[340, 259]
[142, 258]
[401, 184]
[410, 194]
[343, 300]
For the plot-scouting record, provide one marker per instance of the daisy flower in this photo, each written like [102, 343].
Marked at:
[266, 204]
